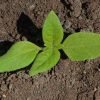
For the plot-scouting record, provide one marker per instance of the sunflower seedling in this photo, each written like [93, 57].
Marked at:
[78, 47]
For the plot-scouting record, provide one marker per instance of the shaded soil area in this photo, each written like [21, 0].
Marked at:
[23, 20]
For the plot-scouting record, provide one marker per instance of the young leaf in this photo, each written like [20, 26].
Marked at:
[52, 30]
[82, 46]
[45, 61]
[20, 55]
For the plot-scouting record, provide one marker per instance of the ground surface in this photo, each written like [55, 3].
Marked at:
[22, 20]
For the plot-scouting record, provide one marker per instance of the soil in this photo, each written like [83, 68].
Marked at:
[68, 80]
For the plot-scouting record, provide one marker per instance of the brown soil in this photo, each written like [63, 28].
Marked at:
[23, 19]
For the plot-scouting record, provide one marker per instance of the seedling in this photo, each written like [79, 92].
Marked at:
[78, 47]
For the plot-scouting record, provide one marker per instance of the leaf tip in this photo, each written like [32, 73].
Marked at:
[52, 12]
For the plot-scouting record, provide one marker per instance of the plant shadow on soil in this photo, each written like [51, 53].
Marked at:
[26, 28]
[4, 46]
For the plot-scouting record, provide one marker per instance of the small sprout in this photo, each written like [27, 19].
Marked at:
[78, 46]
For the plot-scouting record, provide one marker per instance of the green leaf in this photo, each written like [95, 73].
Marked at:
[45, 61]
[20, 55]
[52, 30]
[82, 46]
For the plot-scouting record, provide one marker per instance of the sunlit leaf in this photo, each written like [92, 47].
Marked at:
[45, 61]
[20, 55]
[52, 30]
[82, 46]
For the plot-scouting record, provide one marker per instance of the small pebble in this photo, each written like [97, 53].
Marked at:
[4, 96]
[10, 86]
[4, 87]
[11, 77]
[84, 72]
[17, 36]
[31, 7]
[24, 38]
[67, 24]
